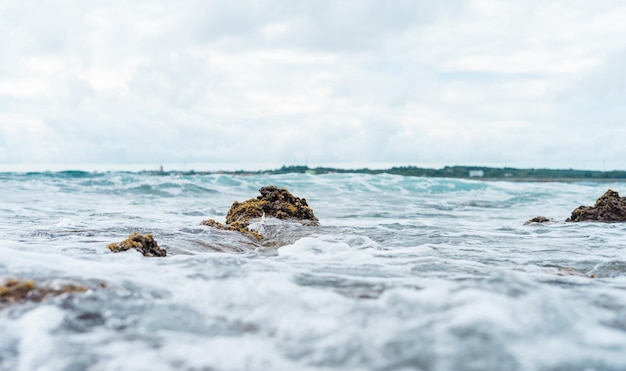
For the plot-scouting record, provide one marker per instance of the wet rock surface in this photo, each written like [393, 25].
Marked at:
[239, 227]
[16, 291]
[539, 220]
[610, 207]
[146, 245]
[274, 202]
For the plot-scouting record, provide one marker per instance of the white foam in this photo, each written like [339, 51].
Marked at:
[37, 344]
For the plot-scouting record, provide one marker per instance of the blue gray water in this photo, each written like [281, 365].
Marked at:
[402, 274]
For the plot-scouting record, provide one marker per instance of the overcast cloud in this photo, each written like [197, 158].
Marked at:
[530, 83]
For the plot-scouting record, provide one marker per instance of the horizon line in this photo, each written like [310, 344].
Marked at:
[267, 167]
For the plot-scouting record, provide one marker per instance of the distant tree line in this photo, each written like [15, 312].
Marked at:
[481, 172]
[462, 172]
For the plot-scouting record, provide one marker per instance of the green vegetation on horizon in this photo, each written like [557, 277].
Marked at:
[454, 172]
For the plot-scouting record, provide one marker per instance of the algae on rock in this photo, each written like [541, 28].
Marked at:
[233, 227]
[144, 244]
[274, 202]
[15, 291]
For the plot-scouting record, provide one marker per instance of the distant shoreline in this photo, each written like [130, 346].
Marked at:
[449, 172]
[454, 172]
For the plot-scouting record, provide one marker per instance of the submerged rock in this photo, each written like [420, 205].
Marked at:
[610, 207]
[539, 219]
[274, 202]
[144, 244]
[239, 227]
[15, 291]
[569, 271]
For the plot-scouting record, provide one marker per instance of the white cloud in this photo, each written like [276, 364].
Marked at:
[328, 81]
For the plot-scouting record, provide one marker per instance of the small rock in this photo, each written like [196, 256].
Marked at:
[539, 219]
[233, 227]
[144, 244]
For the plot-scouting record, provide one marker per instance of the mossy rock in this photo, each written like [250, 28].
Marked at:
[16, 291]
[146, 245]
[233, 227]
[610, 207]
[273, 202]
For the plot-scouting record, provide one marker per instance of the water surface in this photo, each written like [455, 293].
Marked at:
[403, 273]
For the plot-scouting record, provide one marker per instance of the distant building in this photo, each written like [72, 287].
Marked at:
[476, 173]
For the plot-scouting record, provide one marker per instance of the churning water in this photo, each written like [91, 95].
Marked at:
[403, 273]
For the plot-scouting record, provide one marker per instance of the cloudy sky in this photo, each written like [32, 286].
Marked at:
[322, 82]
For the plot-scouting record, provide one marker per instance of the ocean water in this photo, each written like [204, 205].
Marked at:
[402, 273]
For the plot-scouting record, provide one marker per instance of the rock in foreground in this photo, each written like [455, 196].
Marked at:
[15, 291]
[144, 244]
[274, 202]
[610, 207]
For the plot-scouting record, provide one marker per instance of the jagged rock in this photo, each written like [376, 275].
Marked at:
[539, 219]
[610, 207]
[15, 291]
[144, 244]
[274, 202]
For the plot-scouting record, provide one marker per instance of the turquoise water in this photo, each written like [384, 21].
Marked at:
[402, 274]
